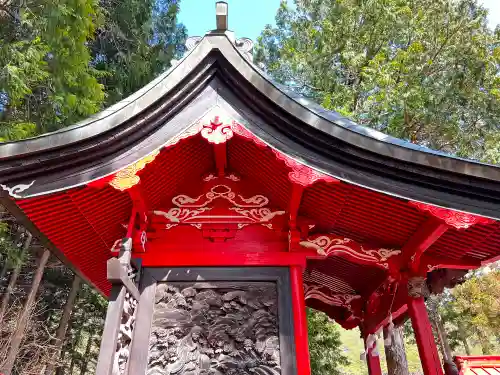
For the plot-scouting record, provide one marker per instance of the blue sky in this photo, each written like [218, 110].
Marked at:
[248, 17]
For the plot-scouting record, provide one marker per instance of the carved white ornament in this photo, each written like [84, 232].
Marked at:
[15, 190]
[217, 131]
[327, 245]
[212, 177]
[197, 210]
[341, 300]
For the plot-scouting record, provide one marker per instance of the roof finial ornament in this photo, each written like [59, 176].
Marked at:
[221, 10]
[243, 45]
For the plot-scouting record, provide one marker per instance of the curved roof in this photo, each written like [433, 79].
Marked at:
[215, 73]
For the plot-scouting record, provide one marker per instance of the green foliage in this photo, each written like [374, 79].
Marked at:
[62, 60]
[46, 81]
[137, 41]
[324, 345]
[10, 249]
[471, 312]
[426, 71]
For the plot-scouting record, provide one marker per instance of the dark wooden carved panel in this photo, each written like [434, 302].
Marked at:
[215, 328]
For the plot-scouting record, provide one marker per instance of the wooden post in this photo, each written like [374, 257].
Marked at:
[300, 321]
[427, 349]
[18, 335]
[119, 308]
[109, 340]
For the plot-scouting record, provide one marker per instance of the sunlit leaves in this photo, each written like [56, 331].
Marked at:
[426, 71]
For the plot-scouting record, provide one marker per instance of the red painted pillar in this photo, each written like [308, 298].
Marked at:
[431, 364]
[300, 321]
[373, 361]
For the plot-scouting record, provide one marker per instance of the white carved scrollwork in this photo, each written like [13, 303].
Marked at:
[200, 210]
[15, 190]
[328, 245]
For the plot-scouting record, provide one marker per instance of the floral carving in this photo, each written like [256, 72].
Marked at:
[220, 192]
[215, 328]
[456, 219]
[302, 174]
[127, 177]
[217, 131]
[125, 335]
[202, 209]
[329, 245]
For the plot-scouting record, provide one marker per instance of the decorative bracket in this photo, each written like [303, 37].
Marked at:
[120, 270]
[302, 174]
[127, 177]
[455, 219]
[218, 210]
[351, 302]
[329, 245]
[417, 287]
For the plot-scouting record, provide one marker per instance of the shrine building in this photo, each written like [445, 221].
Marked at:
[213, 205]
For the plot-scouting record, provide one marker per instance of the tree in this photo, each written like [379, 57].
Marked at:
[472, 310]
[46, 81]
[18, 334]
[61, 61]
[324, 345]
[426, 71]
[395, 354]
[13, 277]
[63, 324]
[137, 41]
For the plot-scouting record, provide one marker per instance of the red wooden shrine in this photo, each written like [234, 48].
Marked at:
[222, 190]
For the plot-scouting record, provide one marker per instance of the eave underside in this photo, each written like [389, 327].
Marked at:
[84, 223]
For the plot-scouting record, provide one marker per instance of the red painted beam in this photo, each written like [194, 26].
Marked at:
[395, 315]
[426, 235]
[372, 361]
[222, 258]
[220, 154]
[410, 258]
[427, 349]
[428, 263]
[293, 210]
[300, 321]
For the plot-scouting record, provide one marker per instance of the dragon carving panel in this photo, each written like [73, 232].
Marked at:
[215, 328]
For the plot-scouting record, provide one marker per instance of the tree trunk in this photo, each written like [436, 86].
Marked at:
[13, 280]
[87, 353]
[486, 347]
[5, 267]
[61, 369]
[74, 349]
[395, 354]
[18, 335]
[447, 355]
[435, 318]
[63, 325]
[463, 338]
